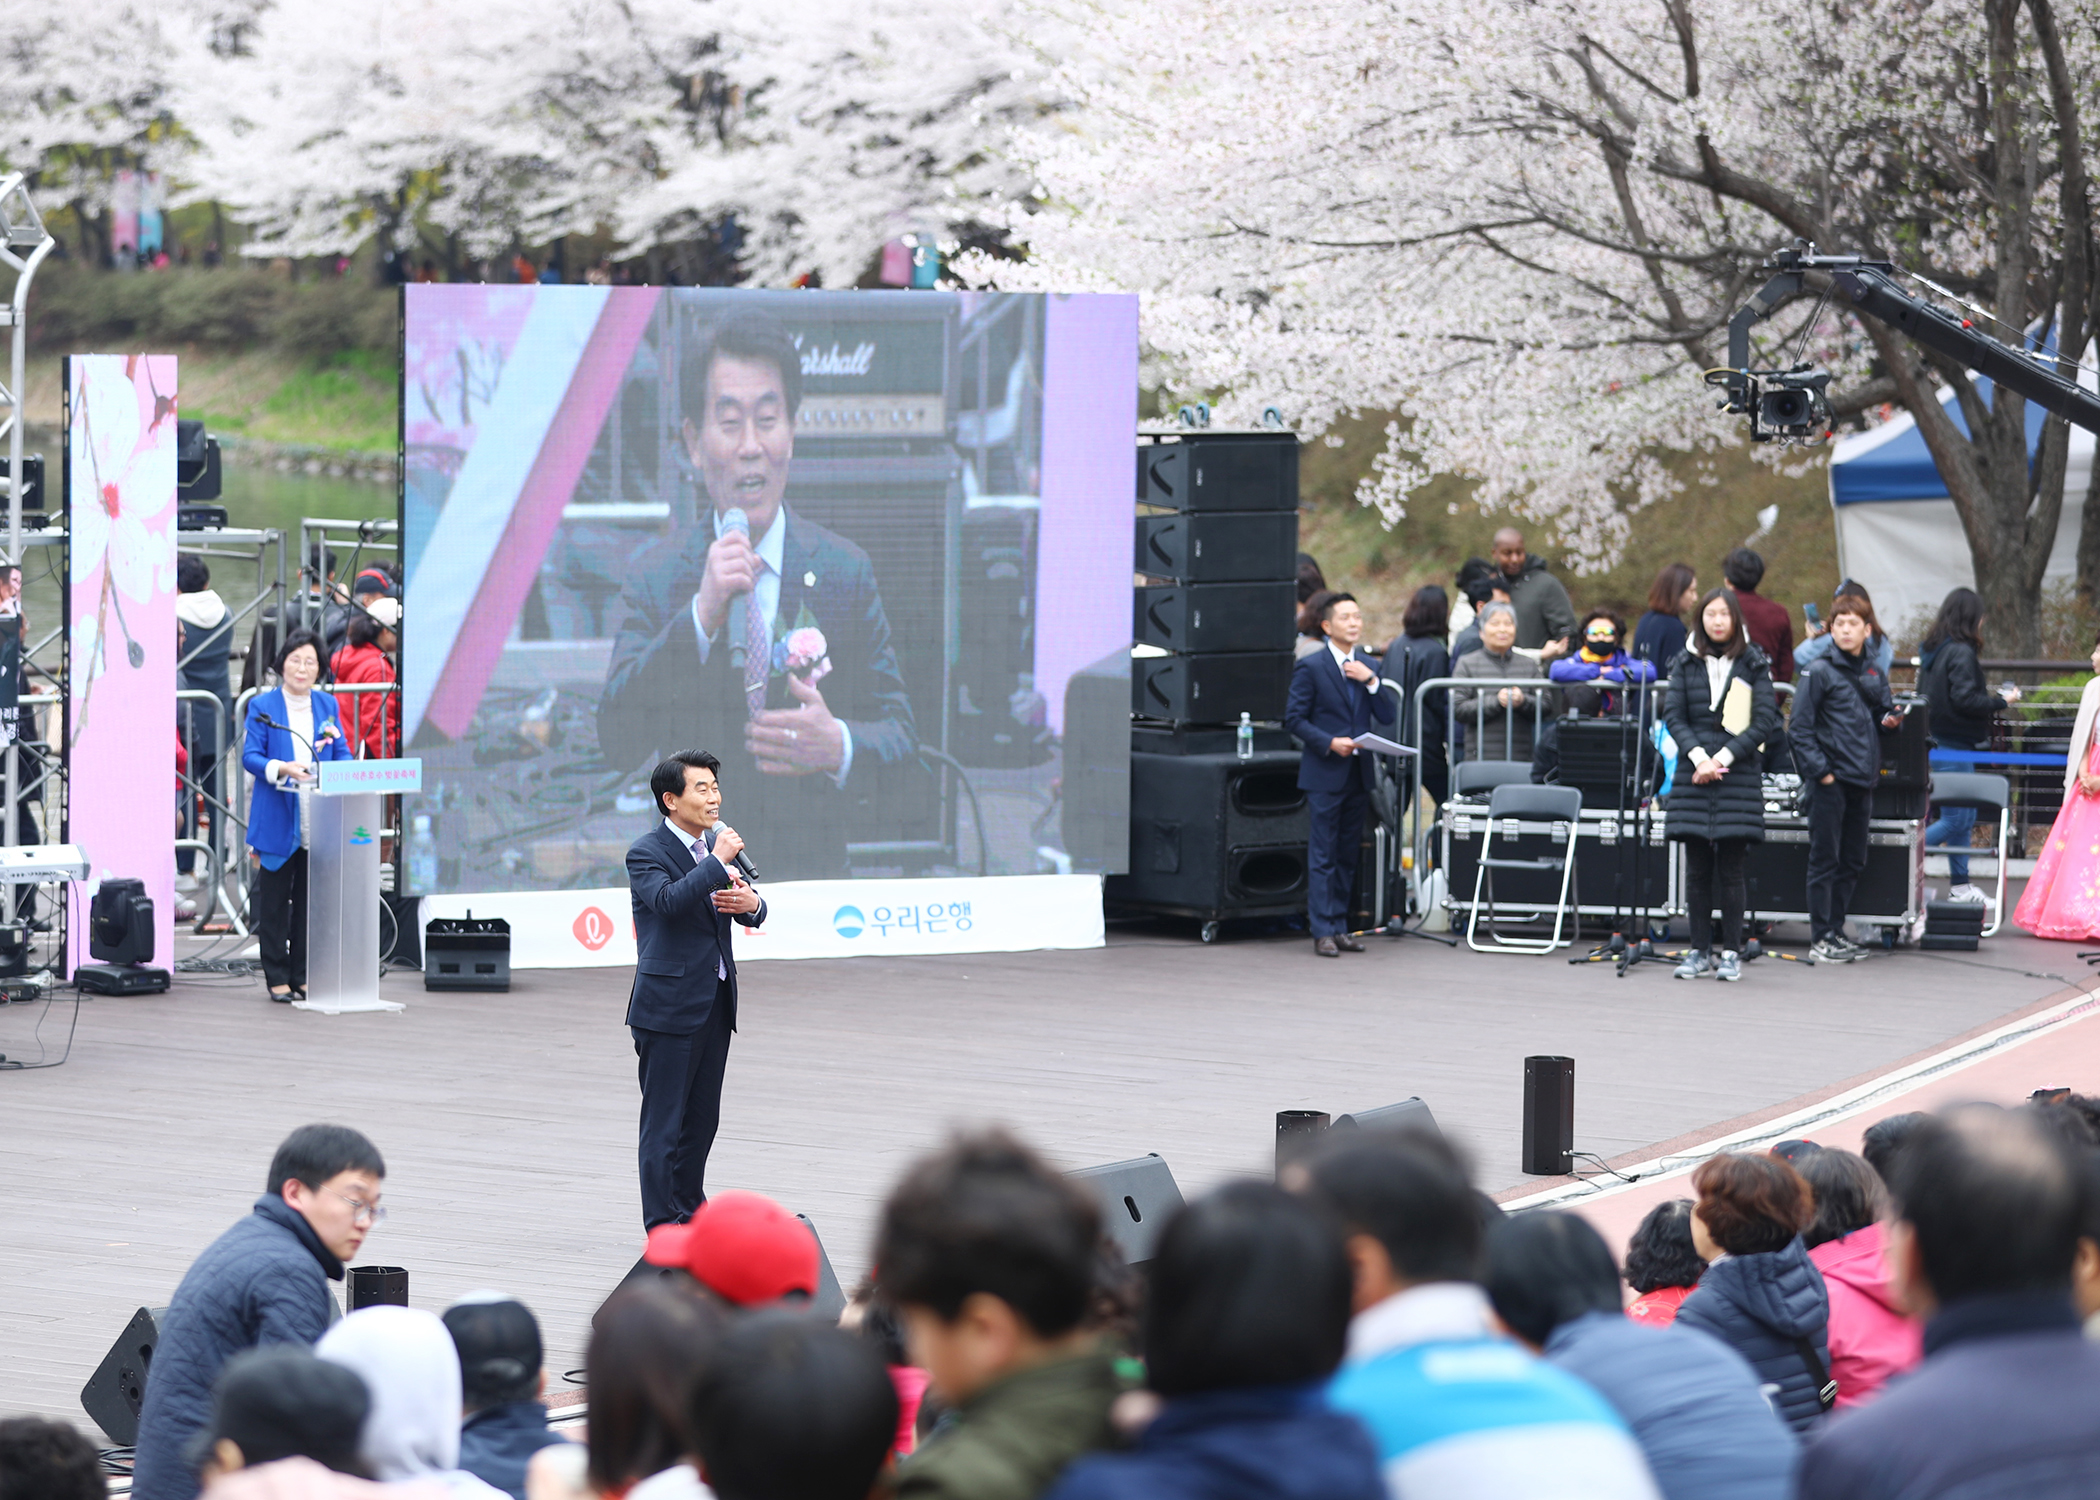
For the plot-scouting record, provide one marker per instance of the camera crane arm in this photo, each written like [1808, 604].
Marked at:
[1873, 290]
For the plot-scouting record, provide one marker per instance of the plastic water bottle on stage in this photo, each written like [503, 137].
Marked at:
[422, 857]
[1246, 735]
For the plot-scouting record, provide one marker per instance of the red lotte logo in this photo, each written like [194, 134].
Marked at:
[593, 929]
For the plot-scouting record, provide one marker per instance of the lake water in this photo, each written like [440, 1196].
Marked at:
[256, 498]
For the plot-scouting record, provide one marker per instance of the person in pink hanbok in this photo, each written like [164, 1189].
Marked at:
[2062, 899]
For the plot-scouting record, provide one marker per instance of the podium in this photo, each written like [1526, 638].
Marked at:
[342, 882]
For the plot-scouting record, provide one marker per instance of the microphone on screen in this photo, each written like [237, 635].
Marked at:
[734, 520]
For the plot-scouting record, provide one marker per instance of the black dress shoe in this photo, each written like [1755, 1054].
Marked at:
[1348, 944]
[1325, 947]
[283, 997]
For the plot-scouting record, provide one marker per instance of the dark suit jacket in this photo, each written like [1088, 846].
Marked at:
[659, 698]
[1325, 705]
[679, 937]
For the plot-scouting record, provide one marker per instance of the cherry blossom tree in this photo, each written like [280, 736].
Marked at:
[1524, 227]
[85, 91]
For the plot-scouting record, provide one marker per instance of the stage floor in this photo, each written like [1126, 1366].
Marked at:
[508, 1120]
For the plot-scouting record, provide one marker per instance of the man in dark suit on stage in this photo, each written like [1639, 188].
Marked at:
[1335, 697]
[818, 705]
[686, 888]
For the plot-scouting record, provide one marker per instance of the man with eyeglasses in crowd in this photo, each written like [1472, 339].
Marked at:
[264, 1281]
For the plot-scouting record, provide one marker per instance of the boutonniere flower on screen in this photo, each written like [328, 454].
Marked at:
[808, 654]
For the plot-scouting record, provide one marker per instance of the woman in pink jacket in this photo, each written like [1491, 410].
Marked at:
[1871, 1338]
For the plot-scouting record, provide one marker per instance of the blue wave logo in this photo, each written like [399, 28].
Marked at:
[359, 835]
[848, 922]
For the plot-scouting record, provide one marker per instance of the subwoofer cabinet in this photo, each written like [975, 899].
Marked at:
[1215, 837]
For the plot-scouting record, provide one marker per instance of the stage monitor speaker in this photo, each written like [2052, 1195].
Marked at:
[117, 1389]
[1549, 1116]
[831, 1297]
[466, 953]
[1214, 836]
[1211, 689]
[829, 1302]
[1220, 471]
[377, 1286]
[1219, 546]
[1216, 616]
[1409, 1114]
[1136, 1198]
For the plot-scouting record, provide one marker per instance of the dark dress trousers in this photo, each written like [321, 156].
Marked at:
[682, 1011]
[660, 699]
[1325, 705]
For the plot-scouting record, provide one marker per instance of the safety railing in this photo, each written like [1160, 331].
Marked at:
[232, 868]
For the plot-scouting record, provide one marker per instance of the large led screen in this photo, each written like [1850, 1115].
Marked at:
[871, 549]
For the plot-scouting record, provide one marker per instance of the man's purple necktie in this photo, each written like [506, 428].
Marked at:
[758, 650]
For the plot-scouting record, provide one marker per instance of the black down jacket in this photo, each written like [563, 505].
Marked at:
[1838, 705]
[1962, 705]
[1759, 1306]
[1734, 806]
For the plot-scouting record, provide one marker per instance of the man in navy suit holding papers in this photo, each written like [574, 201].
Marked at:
[1334, 698]
[687, 890]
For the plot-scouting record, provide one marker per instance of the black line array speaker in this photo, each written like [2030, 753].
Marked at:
[1137, 1197]
[1219, 547]
[1214, 836]
[1229, 543]
[1216, 616]
[116, 1390]
[1211, 689]
[1219, 471]
[1549, 1116]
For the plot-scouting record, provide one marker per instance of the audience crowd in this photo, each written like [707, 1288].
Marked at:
[1814, 1323]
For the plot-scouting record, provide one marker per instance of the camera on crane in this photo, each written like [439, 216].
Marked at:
[1783, 405]
[1794, 404]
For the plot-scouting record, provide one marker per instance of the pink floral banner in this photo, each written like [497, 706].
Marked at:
[120, 602]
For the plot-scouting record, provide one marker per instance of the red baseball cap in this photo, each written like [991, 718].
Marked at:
[744, 1247]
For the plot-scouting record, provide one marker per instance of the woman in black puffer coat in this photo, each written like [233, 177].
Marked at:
[1761, 1294]
[1720, 709]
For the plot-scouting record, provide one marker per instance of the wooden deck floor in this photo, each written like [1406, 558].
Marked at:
[508, 1120]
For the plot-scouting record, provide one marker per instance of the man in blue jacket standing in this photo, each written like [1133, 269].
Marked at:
[683, 878]
[1334, 698]
[264, 1281]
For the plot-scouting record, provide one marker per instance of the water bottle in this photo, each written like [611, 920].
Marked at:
[1246, 738]
[422, 857]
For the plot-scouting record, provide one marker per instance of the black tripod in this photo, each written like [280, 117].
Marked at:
[1407, 801]
[1630, 944]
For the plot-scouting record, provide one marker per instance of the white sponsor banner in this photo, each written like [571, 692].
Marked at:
[811, 919]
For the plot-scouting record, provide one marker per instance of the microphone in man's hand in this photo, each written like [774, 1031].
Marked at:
[745, 866]
[734, 520]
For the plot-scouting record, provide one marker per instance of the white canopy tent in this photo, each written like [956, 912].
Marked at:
[1897, 532]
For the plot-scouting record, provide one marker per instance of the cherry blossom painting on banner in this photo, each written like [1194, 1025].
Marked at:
[120, 616]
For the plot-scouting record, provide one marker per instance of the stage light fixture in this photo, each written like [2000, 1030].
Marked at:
[120, 935]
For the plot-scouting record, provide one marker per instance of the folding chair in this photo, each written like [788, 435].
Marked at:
[1562, 806]
[1470, 776]
[1988, 794]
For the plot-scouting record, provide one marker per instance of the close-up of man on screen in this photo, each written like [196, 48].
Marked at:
[761, 637]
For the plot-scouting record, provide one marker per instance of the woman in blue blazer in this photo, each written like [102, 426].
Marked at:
[289, 728]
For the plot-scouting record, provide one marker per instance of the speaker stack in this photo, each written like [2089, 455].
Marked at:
[1212, 835]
